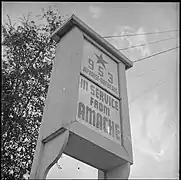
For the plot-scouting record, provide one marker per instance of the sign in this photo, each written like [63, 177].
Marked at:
[98, 110]
[82, 113]
[100, 68]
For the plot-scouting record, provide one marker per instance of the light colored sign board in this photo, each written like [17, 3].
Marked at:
[100, 68]
[99, 110]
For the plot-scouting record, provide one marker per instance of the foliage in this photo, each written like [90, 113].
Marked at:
[27, 62]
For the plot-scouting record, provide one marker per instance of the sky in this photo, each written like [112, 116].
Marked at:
[152, 84]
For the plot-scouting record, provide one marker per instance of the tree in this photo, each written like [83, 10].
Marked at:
[27, 62]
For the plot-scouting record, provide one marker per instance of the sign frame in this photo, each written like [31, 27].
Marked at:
[63, 95]
[78, 129]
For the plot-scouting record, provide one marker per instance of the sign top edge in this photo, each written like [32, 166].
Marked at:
[75, 21]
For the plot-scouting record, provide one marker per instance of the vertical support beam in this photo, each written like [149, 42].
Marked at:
[125, 120]
[101, 174]
[61, 98]
[47, 154]
[118, 172]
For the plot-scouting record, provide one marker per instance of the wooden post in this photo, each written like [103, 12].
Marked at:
[119, 172]
[49, 153]
[60, 106]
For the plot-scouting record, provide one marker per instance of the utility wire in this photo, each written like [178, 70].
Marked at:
[147, 43]
[139, 34]
[155, 54]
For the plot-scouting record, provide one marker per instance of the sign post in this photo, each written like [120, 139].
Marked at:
[86, 111]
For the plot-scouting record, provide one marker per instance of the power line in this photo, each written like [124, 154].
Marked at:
[139, 34]
[147, 43]
[155, 54]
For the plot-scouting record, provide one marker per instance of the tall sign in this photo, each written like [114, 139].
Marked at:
[86, 113]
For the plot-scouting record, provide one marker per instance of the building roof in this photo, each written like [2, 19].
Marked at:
[75, 21]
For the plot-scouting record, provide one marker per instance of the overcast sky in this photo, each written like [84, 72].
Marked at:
[151, 83]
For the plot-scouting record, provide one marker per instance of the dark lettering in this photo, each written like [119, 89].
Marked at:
[106, 97]
[117, 131]
[90, 115]
[101, 96]
[91, 64]
[99, 121]
[113, 103]
[92, 89]
[100, 71]
[81, 111]
[95, 103]
[100, 107]
[106, 110]
[84, 84]
[111, 128]
[91, 101]
[105, 120]
[97, 93]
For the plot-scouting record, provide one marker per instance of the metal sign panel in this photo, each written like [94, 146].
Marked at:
[100, 68]
[99, 110]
